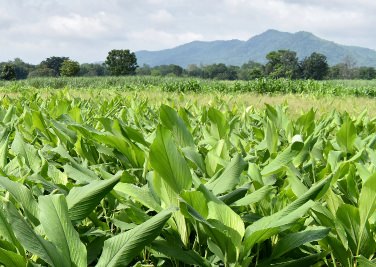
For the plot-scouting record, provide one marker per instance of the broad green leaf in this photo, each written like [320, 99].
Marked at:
[56, 176]
[11, 259]
[342, 255]
[172, 121]
[304, 154]
[59, 229]
[254, 197]
[173, 251]
[10, 114]
[85, 150]
[133, 153]
[367, 201]
[168, 162]
[193, 155]
[169, 198]
[271, 136]
[27, 151]
[282, 220]
[40, 123]
[361, 241]
[255, 175]
[325, 218]
[63, 133]
[6, 232]
[271, 225]
[364, 262]
[303, 261]
[219, 127]
[295, 240]
[82, 200]
[122, 248]
[33, 242]
[74, 170]
[229, 177]
[135, 135]
[79, 173]
[141, 195]
[24, 197]
[221, 223]
[235, 195]
[306, 122]
[217, 157]
[282, 159]
[346, 135]
[217, 210]
[294, 179]
[4, 142]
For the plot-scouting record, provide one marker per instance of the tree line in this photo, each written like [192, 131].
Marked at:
[280, 64]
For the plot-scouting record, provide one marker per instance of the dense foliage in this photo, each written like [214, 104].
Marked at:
[125, 182]
[186, 85]
[280, 64]
[121, 62]
[69, 68]
[8, 72]
[54, 63]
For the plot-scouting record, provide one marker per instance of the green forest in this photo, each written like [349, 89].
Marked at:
[280, 64]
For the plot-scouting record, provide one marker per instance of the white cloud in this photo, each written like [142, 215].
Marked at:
[75, 25]
[162, 16]
[151, 38]
[87, 29]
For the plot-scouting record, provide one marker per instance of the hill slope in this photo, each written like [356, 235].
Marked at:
[236, 52]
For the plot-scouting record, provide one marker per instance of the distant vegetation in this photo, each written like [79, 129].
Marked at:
[237, 52]
[156, 84]
[280, 64]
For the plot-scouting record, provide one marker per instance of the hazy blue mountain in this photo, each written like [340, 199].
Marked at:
[236, 52]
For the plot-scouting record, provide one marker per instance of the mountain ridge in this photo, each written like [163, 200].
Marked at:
[238, 52]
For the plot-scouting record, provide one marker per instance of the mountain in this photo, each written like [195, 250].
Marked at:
[237, 52]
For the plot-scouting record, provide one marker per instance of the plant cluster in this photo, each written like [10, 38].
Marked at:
[279, 64]
[186, 85]
[123, 182]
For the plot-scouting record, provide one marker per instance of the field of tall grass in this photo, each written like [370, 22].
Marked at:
[172, 84]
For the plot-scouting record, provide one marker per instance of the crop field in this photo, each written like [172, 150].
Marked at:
[359, 88]
[91, 178]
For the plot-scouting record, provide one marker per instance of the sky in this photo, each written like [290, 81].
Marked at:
[85, 30]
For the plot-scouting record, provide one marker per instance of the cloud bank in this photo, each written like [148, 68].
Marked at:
[86, 30]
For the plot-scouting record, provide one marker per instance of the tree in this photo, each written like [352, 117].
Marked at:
[42, 72]
[167, 70]
[69, 68]
[22, 69]
[348, 70]
[282, 64]
[251, 70]
[315, 67]
[344, 70]
[54, 63]
[8, 72]
[220, 72]
[121, 62]
[367, 73]
[144, 70]
[194, 70]
[92, 69]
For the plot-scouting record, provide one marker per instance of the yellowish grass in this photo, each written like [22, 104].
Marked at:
[297, 104]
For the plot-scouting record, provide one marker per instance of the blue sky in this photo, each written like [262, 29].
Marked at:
[86, 30]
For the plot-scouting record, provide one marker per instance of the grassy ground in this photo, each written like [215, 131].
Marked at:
[317, 95]
[297, 104]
